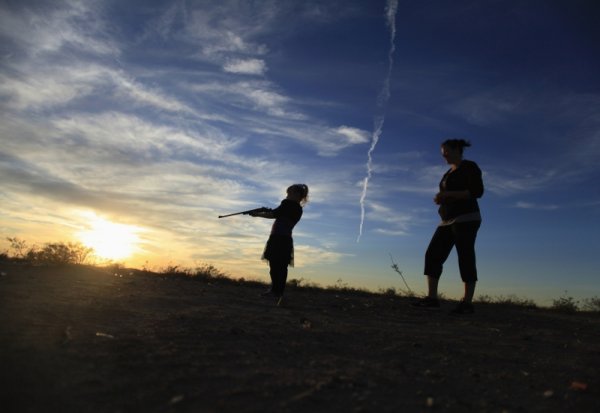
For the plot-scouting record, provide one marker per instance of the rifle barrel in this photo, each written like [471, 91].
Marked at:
[230, 215]
[240, 213]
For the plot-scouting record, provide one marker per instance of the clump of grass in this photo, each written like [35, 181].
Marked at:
[302, 283]
[510, 300]
[204, 271]
[393, 292]
[390, 291]
[342, 286]
[210, 271]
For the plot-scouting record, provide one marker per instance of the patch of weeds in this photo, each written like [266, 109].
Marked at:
[510, 300]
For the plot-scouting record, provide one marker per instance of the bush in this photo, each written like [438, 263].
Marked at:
[18, 246]
[565, 304]
[591, 304]
[55, 253]
[59, 253]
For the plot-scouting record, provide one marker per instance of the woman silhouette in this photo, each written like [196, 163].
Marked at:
[459, 189]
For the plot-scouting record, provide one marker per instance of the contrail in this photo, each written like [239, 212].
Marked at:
[382, 99]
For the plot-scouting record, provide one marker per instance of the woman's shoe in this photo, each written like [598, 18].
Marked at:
[463, 308]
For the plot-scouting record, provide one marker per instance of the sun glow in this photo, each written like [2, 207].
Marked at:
[109, 240]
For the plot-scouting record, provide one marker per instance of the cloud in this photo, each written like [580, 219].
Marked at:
[353, 135]
[256, 98]
[389, 221]
[513, 182]
[250, 96]
[46, 29]
[247, 66]
[486, 108]
[129, 88]
[531, 205]
[55, 86]
[51, 86]
[307, 255]
[218, 34]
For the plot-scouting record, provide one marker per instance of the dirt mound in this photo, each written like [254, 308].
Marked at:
[85, 339]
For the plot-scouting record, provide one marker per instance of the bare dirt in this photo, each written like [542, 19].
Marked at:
[82, 339]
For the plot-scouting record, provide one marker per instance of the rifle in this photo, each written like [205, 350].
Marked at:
[262, 209]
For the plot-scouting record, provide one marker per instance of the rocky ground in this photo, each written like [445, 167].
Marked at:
[86, 339]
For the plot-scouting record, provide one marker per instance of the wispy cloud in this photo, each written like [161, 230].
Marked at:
[46, 29]
[246, 66]
[389, 220]
[532, 205]
[32, 87]
[506, 183]
[486, 108]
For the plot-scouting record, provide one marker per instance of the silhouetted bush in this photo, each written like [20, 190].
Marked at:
[54, 253]
[591, 304]
[565, 304]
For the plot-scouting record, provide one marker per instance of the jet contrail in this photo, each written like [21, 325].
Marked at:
[382, 99]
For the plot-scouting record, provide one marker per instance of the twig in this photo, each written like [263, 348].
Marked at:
[395, 268]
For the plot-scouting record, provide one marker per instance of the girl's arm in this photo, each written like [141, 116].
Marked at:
[268, 213]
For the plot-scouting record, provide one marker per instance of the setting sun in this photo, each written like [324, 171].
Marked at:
[109, 240]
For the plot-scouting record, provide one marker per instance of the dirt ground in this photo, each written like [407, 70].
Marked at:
[82, 339]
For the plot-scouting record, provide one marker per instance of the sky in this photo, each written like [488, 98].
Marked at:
[138, 123]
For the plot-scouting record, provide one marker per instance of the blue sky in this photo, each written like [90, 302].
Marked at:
[162, 115]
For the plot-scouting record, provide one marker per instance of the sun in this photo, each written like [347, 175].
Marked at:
[109, 240]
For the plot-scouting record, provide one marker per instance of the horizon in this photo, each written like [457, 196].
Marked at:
[133, 127]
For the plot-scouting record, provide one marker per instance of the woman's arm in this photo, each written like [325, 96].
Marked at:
[474, 186]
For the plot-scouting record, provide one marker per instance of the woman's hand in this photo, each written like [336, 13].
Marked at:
[444, 197]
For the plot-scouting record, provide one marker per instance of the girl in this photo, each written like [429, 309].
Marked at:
[279, 251]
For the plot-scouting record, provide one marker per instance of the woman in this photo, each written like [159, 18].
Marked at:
[279, 250]
[459, 188]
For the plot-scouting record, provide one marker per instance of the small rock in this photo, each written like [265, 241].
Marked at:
[176, 399]
[306, 324]
[578, 386]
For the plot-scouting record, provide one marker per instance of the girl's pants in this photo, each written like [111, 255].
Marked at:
[462, 235]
